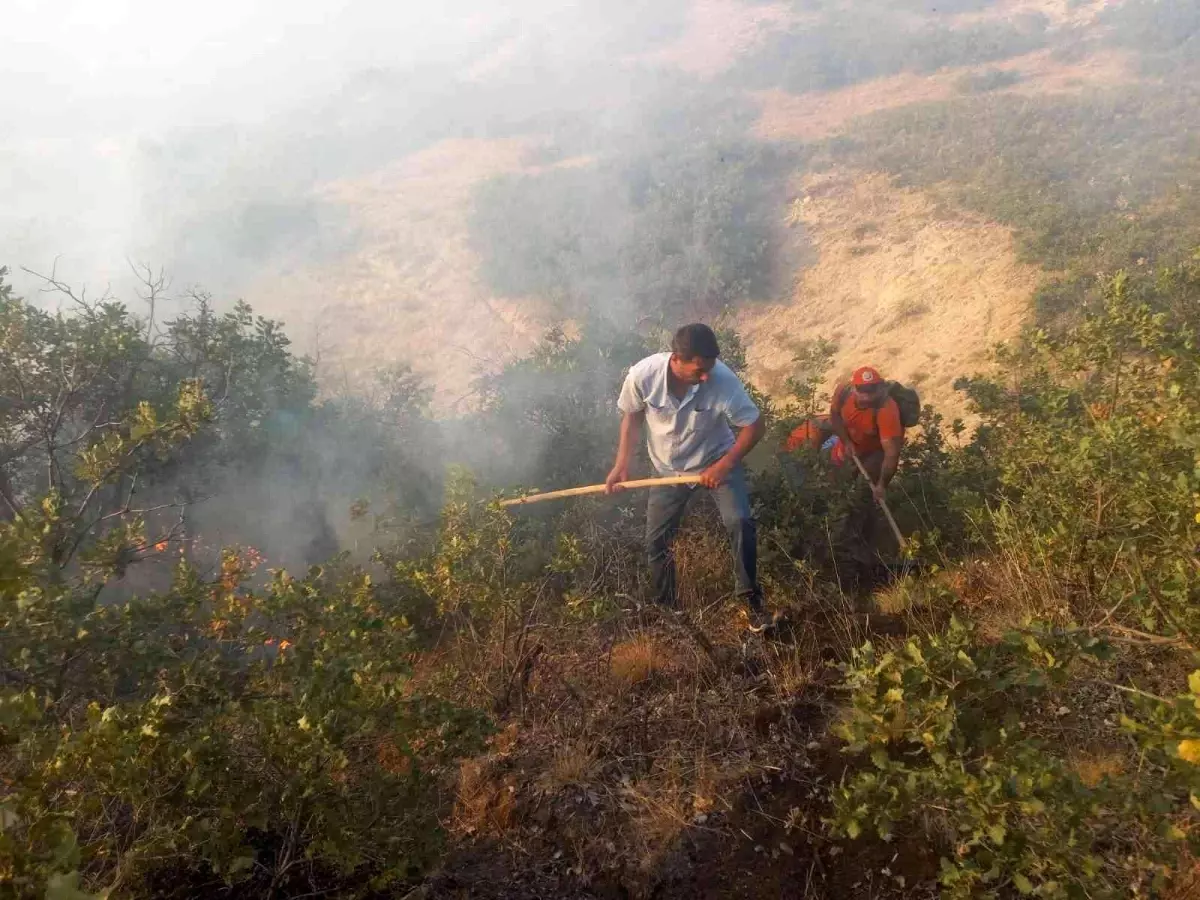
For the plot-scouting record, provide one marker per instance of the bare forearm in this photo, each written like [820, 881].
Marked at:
[631, 426]
[891, 462]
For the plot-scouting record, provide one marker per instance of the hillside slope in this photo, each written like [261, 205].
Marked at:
[409, 292]
[920, 291]
[821, 114]
[896, 277]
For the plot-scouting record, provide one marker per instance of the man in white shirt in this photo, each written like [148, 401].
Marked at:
[690, 403]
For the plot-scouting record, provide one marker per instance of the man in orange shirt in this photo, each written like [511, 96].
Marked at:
[867, 421]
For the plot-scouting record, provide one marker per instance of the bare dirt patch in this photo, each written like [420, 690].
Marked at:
[410, 290]
[1071, 13]
[1041, 73]
[899, 282]
[817, 115]
[706, 779]
[718, 32]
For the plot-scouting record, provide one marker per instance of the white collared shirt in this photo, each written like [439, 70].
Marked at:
[686, 436]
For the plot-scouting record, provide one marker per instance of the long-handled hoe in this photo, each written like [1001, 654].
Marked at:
[600, 489]
[883, 503]
[683, 621]
[910, 565]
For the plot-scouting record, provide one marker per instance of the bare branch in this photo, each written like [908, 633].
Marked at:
[52, 285]
[154, 286]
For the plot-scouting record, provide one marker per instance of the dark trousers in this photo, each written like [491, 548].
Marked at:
[861, 531]
[664, 513]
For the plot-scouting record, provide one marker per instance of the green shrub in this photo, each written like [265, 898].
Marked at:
[1089, 517]
[950, 727]
[551, 418]
[263, 736]
[677, 231]
[254, 735]
[208, 729]
[1094, 436]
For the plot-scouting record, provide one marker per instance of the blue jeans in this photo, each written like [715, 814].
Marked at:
[664, 513]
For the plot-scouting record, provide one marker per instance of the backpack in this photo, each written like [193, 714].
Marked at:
[909, 402]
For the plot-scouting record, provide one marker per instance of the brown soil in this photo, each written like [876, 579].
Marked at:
[817, 115]
[900, 283]
[707, 779]
[719, 31]
[1069, 13]
[410, 290]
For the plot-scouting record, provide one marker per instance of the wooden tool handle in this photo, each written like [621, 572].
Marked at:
[601, 488]
[887, 512]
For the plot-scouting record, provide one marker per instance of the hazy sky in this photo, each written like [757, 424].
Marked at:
[152, 63]
[86, 80]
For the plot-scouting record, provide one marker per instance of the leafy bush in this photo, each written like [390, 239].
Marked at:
[950, 726]
[214, 731]
[269, 465]
[1090, 520]
[207, 730]
[1094, 439]
[550, 419]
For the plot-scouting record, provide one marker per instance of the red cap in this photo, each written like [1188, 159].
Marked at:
[865, 376]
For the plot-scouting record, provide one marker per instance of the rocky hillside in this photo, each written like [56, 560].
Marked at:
[910, 276]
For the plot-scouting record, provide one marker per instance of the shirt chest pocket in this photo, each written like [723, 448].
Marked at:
[660, 418]
[702, 419]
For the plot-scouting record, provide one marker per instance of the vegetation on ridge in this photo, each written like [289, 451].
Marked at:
[1034, 726]
[471, 700]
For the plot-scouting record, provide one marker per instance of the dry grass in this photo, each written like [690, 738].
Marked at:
[792, 669]
[1186, 883]
[676, 795]
[573, 762]
[1092, 768]
[897, 599]
[817, 115]
[639, 659]
[411, 283]
[633, 735]
[390, 759]
[962, 271]
[1070, 13]
[718, 32]
[1042, 73]
[908, 308]
[503, 741]
[703, 560]
[484, 802]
